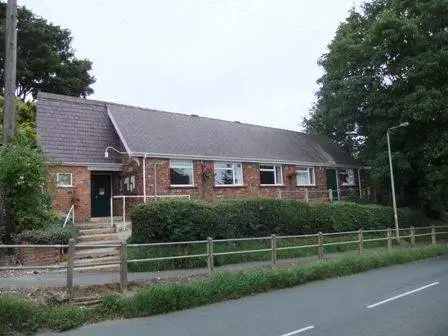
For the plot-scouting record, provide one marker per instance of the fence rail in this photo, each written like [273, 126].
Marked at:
[340, 194]
[209, 254]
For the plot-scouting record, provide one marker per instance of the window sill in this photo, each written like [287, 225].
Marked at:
[305, 185]
[272, 185]
[65, 186]
[182, 187]
[231, 186]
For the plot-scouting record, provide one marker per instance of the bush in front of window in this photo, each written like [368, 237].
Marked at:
[181, 220]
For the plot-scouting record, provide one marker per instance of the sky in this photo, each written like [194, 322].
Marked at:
[253, 61]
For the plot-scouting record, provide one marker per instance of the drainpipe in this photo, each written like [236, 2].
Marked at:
[144, 178]
[155, 179]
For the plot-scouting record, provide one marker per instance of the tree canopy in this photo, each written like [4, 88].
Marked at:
[388, 64]
[45, 58]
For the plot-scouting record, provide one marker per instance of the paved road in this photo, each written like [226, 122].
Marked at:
[409, 300]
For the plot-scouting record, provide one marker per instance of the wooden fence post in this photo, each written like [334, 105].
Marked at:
[70, 266]
[123, 267]
[433, 235]
[274, 251]
[389, 239]
[306, 196]
[210, 262]
[320, 249]
[413, 236]
[360, 241]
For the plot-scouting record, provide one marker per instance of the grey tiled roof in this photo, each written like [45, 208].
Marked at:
[172, 134]
[75, 130]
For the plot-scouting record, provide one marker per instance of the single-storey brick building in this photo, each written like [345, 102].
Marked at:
[101, 150]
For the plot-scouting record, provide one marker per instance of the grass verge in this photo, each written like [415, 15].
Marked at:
[22, 316]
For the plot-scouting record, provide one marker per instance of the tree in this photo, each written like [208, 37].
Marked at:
[45, 58]
[386, 65]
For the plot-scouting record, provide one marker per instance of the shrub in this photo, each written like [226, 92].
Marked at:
[22, 177]
[172, 220]
[53, 234]
[177, 220]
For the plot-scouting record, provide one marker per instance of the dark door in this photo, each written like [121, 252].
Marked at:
[101, 194]
[332, 182]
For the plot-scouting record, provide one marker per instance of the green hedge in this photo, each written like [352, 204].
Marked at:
[53, 234]
[177, 220]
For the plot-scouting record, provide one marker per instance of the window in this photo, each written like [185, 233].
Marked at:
[228, 173]
[64, 180]
[181, 173]
[271, 175]
[347, 177]
[305, 176]
[126, 184]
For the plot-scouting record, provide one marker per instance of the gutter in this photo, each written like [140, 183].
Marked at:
[235, 159]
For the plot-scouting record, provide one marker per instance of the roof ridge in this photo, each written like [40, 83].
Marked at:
[203, 117]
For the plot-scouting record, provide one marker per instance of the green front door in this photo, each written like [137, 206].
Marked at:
[101, 194]
[332, 182]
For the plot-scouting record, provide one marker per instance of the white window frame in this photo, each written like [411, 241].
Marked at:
[311, 172]
[273, 169]
[126, 184]
[190, 166]
[64, 185]
[345, 171]
[234, 164]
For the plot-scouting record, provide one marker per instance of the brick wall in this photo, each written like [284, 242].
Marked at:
[32, 256]
[78, 193]
[206, 189]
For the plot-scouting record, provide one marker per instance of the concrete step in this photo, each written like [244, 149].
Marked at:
[98, 238]
[88, 226]
[87, 232]
[99, 242]
[96, 269]
[89, 253]
[110, 260]
[104, 219]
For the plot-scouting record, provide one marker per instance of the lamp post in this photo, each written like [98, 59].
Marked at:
[394, 202]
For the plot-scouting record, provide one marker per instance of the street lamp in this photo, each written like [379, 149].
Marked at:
[394, 202]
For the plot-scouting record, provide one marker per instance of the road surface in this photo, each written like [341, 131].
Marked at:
[409, 300]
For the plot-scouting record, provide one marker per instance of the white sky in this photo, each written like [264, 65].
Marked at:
[248, 60]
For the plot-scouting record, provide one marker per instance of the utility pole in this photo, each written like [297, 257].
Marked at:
[9, 120]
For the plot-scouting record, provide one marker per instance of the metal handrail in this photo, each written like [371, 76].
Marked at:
[145, 197]
[72, 212]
